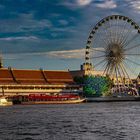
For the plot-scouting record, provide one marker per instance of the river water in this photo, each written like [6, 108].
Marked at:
[87, 121]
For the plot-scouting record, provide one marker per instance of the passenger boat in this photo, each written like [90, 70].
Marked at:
[5, 100]
[47, 99]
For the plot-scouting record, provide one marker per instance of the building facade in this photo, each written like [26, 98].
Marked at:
[88, 69]
[25, 82]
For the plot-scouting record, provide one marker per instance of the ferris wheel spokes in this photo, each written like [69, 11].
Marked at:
[114, 44]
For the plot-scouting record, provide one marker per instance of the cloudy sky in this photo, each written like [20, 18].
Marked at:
[52, 34]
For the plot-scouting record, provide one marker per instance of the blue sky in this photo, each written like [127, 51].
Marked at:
[52, 34]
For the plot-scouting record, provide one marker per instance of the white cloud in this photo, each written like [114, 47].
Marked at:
[72, 54]
[135, 4]
[76, 3]
[83, 2]
[19, 38]
[107, 4]
[66, 54]
[24, 23]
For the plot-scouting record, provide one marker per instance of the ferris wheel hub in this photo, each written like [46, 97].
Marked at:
[114, 53]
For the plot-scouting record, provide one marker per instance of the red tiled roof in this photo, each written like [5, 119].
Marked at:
[34, 76]
[28, 74]
[5, 73]
[59, 76]
[5, 76]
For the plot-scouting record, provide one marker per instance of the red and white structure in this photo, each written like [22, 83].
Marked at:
[25, 82]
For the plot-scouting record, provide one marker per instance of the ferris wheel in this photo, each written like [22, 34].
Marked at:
[113, 47]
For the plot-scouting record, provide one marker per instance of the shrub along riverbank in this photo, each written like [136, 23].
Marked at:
[95, 86]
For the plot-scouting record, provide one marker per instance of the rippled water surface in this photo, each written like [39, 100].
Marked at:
[87, 121]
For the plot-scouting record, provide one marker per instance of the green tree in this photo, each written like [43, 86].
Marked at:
[96, 85]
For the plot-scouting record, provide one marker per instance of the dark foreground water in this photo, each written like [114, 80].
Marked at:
[88, 121]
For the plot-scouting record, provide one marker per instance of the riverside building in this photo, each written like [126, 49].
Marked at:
[116, 80]
[25, 82]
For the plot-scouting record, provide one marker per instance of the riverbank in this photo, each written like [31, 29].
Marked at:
[113, 99]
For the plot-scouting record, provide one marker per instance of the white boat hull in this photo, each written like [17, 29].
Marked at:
[5, 102]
